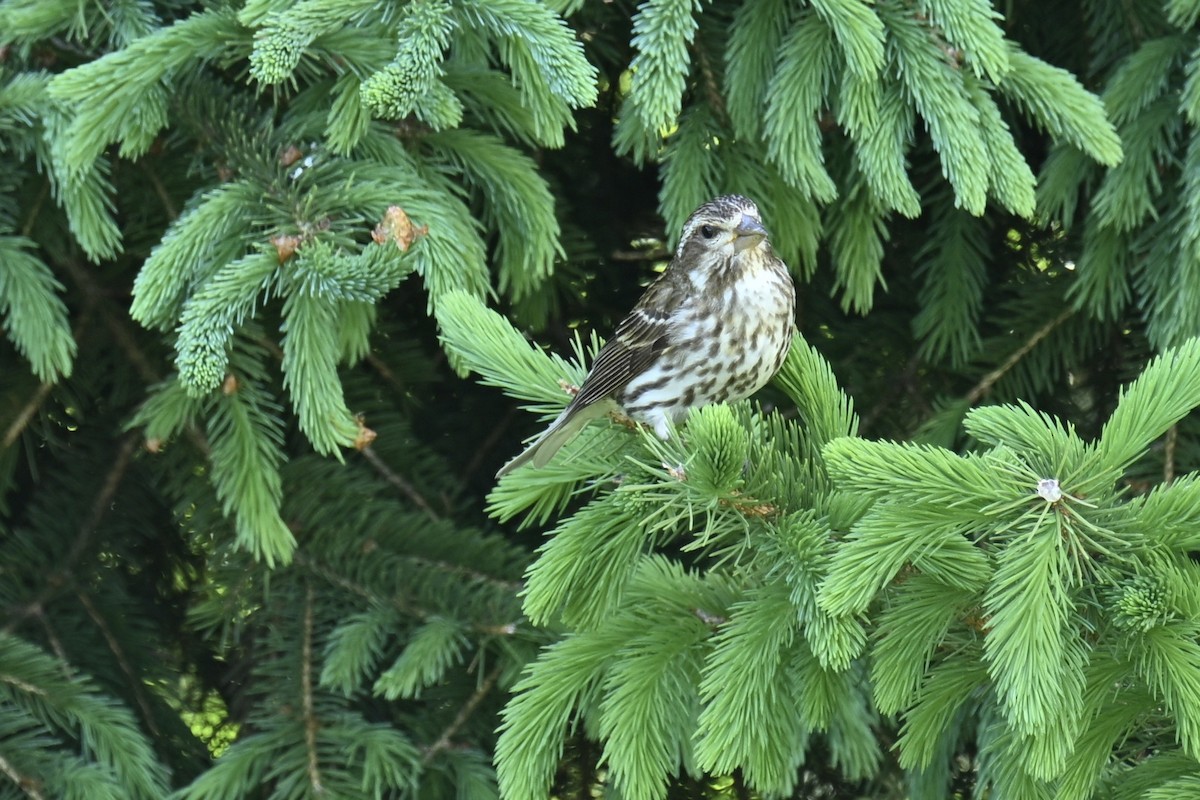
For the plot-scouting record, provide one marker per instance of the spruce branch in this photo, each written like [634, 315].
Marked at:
[25, 414]
[87, 731]
[663, 31]
[756, 32]
[330, 574]
[794, 97]
[32, 312]
[940, 97]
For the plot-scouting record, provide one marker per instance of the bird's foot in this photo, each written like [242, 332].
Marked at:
[627, 422]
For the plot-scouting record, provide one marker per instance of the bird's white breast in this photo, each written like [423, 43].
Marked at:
[725, 345]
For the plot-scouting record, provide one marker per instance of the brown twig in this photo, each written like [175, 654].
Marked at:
[56, 644]
[1169, 453]
[984, 386]
[35, 208]
[386, 372]
[30, 409]
[103, 501]
[25, 415]
[25, 783]
[712, 91]
[163, 195]
[470, 574]
[406, 488]
[463, 715]
[652, 254]
[306, 687]
[24, 686]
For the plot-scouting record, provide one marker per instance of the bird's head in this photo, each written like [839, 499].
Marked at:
[720, 233]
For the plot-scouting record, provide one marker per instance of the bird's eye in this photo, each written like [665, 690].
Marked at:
[708, 231]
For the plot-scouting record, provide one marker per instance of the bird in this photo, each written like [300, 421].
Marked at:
[714, 327]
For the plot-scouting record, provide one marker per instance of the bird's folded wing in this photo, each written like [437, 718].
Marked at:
[638, 340]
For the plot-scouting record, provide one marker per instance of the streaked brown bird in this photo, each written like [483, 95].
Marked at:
[714, 327]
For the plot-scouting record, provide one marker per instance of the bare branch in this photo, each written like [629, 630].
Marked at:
[25, 783]
[463, 715]
[306, 687]
[406, 488]
[984, 386]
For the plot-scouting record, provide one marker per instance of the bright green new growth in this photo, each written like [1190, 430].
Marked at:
[411, 81]
[519, 206]
[1008, 587]
[282, 37]
[720, 475]
[1058, 583]
[281, 186]
[35, 319]
[662, 31]
[246, 434]
[288, 232]
[793, 99]
[792, 77]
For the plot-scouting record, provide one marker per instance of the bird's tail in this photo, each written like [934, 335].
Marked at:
[570, 422]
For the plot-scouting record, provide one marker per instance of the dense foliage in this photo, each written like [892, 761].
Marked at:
[266, 266]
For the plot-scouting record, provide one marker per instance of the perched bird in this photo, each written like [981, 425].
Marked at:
[714, 327]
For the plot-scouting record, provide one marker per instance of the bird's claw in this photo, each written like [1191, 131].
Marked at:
[621, 419]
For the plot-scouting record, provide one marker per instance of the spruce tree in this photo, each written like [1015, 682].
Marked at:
[250, 253]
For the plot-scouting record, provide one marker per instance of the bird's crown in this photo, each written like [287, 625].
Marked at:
[728, 207]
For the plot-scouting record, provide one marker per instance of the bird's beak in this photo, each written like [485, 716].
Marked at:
[748, 233]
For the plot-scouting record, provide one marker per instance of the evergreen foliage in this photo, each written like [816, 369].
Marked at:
[249, 251]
